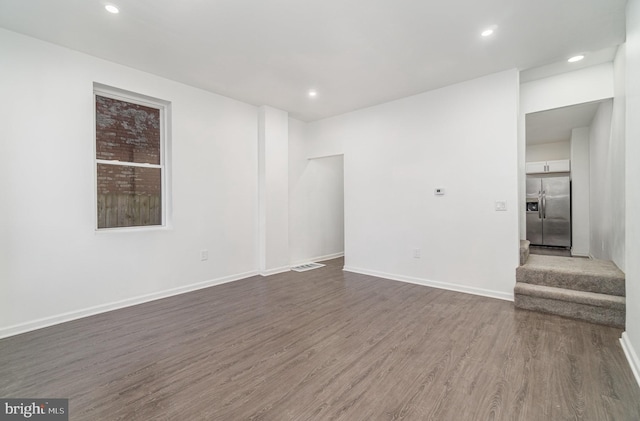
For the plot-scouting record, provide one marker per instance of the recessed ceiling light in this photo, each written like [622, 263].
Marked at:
[487, 32]
[313, 93]
[111, 8]
[575, 58]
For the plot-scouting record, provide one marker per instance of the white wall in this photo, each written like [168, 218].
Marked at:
[461, 138]
[273, 185]
[56, 266]
[631, 337]
[316, 201]
[548, 151]
[600, 182]
[577, 87]
[617, 152]
[580, 188]
[606, 187]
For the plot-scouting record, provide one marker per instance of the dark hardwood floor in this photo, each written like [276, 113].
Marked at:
[551, 251]
[324, 345]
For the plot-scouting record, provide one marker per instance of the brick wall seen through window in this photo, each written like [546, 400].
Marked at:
[129, 163]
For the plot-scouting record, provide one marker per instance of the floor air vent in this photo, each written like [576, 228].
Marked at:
[306, 266]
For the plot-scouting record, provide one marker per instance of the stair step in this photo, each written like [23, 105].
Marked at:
[524, 251]
[589, 306]
[562, 294]
[590, 275]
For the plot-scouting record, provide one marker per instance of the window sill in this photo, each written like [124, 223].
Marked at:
[101, 231]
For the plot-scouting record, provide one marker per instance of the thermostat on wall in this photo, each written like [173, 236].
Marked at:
[439, 191]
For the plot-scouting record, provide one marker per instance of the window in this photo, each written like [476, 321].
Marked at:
[130, 133]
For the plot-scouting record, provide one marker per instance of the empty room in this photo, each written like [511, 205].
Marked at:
[320, 210]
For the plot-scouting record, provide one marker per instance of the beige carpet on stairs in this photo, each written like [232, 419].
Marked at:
[587, 289]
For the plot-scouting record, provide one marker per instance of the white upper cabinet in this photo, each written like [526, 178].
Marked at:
[536, 167]
[561, 165]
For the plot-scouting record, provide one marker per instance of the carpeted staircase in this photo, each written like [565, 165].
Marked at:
[586, 289]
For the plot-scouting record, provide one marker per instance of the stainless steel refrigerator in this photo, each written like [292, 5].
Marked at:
[549, 211]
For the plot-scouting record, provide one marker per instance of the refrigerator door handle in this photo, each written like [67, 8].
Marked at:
[539, 204]
[544, 204]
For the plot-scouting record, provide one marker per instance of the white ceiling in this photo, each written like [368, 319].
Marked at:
[355, 53]
[556, 125]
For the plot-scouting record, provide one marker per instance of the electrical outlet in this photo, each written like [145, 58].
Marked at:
[417, 253]
[204, 255]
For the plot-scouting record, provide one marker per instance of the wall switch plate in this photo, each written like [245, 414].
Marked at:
[501, 205]
[439, 191]
[204, 255]
[417, 253]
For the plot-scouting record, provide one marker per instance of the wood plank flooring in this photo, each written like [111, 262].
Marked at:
[324, 345]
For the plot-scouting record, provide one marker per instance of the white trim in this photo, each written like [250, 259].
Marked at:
[103, 308]
[127, 163]
[129, 96]
[275, 271]
[632, 356]
[325, 156]
[101, 231]
[434, 284]
[580, 254]
[319, 258]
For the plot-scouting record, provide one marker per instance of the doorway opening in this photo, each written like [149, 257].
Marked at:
[317, 211]
[575, 145]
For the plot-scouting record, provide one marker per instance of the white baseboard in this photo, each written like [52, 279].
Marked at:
[319, 258]
[578, 253]
[274, 271]
[103, 308]
[632, 356]
[328, 257]
[434, 284]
